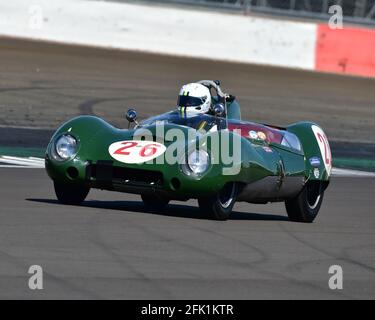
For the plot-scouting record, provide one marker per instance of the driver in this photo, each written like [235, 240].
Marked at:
[194, 99]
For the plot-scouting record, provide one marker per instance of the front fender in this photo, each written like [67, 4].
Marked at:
[91, 133]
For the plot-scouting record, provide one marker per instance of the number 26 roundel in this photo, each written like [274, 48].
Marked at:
[325, 150]
[133, 151]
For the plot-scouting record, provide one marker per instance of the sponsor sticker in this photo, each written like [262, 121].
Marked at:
[133, 151]
[316, 173]
[267, 149]
[253, 134]
[261, 135]
[315, 161]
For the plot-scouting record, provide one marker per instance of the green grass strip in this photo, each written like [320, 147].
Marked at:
[352, 163]
[22, 152]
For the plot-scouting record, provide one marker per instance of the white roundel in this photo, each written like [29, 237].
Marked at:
[253, 134]
[135, 151]
[325, 150]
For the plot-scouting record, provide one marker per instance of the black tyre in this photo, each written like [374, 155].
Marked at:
[219, 207]
[305, 207]
[154, 201]
[69, 193]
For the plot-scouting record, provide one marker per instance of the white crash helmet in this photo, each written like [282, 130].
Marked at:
[194, 99]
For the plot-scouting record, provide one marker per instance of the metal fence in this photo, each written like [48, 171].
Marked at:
[354, 11]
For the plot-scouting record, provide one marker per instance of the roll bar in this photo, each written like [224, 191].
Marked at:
[216, 85]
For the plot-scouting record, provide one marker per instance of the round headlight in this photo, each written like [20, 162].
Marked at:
[66, 147]
[198, 161]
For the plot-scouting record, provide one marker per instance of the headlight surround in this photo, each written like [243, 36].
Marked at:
[65, 147]
[197, 163]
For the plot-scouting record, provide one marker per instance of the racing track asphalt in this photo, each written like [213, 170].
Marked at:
[43, 85]
[112, 248]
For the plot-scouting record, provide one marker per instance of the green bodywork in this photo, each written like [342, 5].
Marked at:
[276, 172]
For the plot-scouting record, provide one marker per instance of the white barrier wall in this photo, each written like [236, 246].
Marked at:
[163, 30]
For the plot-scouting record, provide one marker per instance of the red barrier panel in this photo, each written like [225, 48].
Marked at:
[349, 50]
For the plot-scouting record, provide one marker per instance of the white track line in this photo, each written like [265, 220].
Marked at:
[37, 159]
[23, 162]
[26, 160]
[32, 162]
[352, 173]
[18, 167]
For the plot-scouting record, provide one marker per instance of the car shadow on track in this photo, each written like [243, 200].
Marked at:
[172, 210]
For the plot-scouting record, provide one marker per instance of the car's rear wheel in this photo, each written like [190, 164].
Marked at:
[219, 206]
[69, 193]
[305, 207]
[154, 201]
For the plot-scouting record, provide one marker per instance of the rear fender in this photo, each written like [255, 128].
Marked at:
[318, 157]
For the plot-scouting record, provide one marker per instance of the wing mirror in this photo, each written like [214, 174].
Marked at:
[219, 110]
[131, 116]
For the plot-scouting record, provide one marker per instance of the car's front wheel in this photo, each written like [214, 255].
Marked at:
[154, 201]
[219, 206]
[305, 207]
[69, 193]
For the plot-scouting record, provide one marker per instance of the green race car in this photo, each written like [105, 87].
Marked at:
[216, 158]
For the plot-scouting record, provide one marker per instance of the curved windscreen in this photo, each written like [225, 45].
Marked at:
[199, 122]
